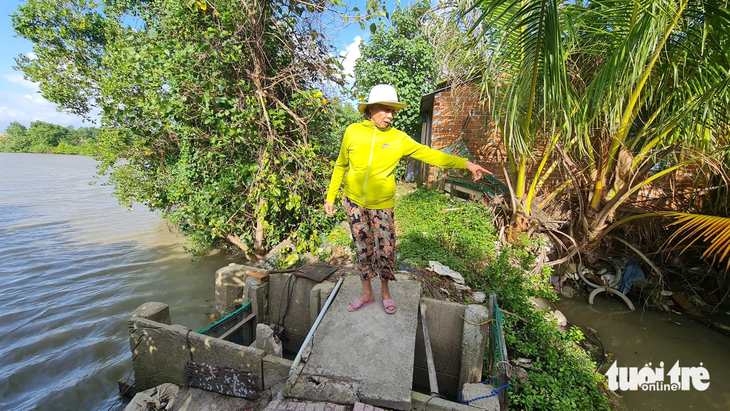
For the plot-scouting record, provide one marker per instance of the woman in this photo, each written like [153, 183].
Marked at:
[369, 153]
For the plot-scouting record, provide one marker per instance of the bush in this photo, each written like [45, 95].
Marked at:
[461, 236]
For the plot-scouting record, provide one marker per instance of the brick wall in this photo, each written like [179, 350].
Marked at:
[461, 112]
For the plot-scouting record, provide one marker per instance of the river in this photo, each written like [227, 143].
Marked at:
[641, 337]
[74, 266]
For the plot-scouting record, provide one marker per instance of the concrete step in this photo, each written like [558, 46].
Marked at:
[317, 406]
[364, 356]
[304, 406]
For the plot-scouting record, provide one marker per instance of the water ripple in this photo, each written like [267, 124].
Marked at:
[75, 266]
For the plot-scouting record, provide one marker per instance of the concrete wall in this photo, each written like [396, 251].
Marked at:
[445, 330]
[160, 353]
[297, 321]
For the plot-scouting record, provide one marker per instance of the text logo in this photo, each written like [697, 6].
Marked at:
[648, 379]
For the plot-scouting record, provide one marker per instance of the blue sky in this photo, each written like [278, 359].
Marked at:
[20, 100]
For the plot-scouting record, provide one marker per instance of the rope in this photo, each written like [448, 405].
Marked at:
[478, 324]
[287, 291]
[508, 365]
[494, 392]
[433, 395]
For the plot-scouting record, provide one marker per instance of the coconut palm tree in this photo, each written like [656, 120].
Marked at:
[605, 90]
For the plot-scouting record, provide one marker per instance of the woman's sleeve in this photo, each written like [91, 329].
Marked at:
[341, 166]
[431, 156]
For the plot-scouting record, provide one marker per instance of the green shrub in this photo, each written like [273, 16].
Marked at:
[461, 236]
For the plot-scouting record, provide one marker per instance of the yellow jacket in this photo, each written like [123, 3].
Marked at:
[367, 159]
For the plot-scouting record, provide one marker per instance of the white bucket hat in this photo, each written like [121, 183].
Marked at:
[384, 94]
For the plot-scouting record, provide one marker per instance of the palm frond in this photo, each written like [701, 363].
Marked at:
[692, 228]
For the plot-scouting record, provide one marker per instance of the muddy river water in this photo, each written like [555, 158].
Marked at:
[74, 265]
[637, 338]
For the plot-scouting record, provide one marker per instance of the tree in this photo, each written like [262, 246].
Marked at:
[45, 134]
[618, 87]
[15, 129]
[15, 139]
[400, 55]
[211, 104]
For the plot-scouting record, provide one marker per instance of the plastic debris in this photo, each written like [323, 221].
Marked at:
[443, 270]
[630, 272]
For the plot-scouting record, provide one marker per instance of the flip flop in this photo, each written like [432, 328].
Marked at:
[358, 305]
[389, 303]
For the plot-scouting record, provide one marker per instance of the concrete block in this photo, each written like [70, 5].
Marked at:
[473, 391]
[256, 292]
[445, 331]
[160, 353]
[312, 387]
[266, 341]
[473, 341]
[317, 298]
[276, 370]
[229, 284]
[289, 299]
[418, 403]
[154, 311]
[189, 399]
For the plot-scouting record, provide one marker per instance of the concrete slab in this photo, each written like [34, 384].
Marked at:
[423, 402]
[193, 399]
[481, 396]
[366, 355]
[305, 406]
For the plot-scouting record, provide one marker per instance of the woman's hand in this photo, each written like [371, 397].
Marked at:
[477, 171]
[329, 208]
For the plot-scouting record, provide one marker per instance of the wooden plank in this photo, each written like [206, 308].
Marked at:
[223, 380]
[492, 335]
[433, 383]
[685, 304]
[237, 326]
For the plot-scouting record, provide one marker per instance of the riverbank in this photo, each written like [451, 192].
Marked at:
[460, 235]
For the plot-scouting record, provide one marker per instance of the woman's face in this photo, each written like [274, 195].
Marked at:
[381, 115]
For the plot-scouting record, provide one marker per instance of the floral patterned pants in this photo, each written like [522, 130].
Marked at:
[373, 232]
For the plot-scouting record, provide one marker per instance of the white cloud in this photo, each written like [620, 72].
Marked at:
[26, 108]
[350, 55]
[18, 79]
[32, 56]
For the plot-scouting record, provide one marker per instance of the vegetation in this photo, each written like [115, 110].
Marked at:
[213, 114]
[43, 137]
[459, 235]
[215, 106]
[605, 91]
[400, 54]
